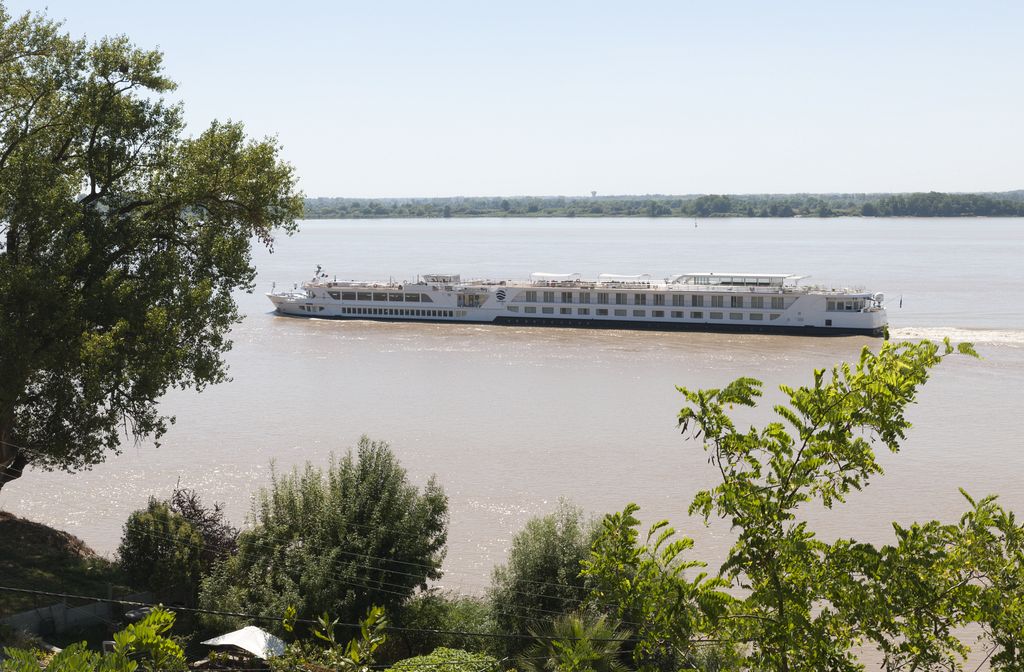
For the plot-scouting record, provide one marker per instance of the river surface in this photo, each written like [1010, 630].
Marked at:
[512, 419]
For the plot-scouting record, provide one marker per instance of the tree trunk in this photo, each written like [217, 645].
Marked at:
[12, 459]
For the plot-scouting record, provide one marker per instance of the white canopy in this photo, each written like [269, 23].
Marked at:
[256, 641]
[555, 276]
[611, 277]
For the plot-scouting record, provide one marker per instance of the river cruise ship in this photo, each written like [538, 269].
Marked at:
[766, 303]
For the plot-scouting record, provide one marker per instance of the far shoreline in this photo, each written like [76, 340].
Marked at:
[920, 205]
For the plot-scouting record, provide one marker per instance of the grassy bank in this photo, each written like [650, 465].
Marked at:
[38, 557]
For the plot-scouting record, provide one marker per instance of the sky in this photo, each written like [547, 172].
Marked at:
[383, 98]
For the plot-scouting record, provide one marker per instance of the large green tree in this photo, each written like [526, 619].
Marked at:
[336, 541]
[121, 241]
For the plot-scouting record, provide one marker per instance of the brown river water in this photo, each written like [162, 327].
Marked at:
[512, 419]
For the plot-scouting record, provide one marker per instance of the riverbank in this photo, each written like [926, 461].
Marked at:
[930, 204]
[37, 557]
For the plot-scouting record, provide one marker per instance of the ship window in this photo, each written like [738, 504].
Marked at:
[549, 297]
[735, 316]
[531, 295]
[364, 296]
[678, 299]
[735, 301]
[566, 297]
[774, 316]
[831, 306]
[584, 297]
[777, 303]
[659, 299]
[530, 309]
[513, 309]
[583, 311]
[414, 298]
[334, 295]
[696, 301]
[620, 299]
[602, 311]
[697, 314]
[380, 296]
[658, 313]
[757, 302]
[620, 312]
[828, 323]
[602, 297]
[717, 301]
[395, 297]
[716, 316]
[677, 313]
[639, 313]
[425, 298]
[565, 311]
[547, 310]
[756, 316]
[640, 299]
[348, 296]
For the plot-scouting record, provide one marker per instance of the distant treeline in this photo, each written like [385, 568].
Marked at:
[931, 204]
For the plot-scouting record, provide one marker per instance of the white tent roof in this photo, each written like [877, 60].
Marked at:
[612, 277]
[256, 641]
[554, 276]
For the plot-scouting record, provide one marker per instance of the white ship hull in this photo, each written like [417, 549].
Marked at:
[696, 302]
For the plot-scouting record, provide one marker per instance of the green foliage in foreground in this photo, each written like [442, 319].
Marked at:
[931, 204]
[432, 619]
[541, 578]
[336, 541]
[324, 653]
[576, 642]
[449, 660]
[645, 585]
[809, 603]
[140, 647]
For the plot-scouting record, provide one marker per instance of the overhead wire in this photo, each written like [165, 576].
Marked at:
[404, 592]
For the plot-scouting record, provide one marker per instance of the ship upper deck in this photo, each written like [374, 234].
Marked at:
[689, 282]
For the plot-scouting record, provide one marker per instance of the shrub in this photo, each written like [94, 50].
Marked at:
[220, 538]
[449, 660]
[542, 576]
[338, 541]
[161, 551]
[436, 610]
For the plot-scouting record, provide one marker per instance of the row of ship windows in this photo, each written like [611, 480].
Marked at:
[851, 305]
[402, 297]
[621, 312]
[389, 312]
[622, 299]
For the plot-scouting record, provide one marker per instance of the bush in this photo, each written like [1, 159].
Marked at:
[160, 551]
[338, 541]
[449, 660]
[220, 538]
[436, 610]
[542, 576]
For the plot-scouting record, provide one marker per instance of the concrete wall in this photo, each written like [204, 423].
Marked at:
[58, 618]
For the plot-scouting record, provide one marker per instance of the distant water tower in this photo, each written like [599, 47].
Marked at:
[593, 194]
